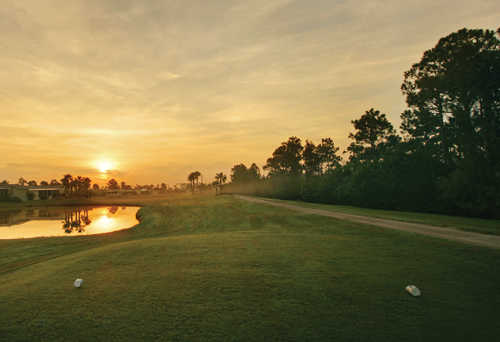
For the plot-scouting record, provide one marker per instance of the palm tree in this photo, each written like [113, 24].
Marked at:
[75, 184]
[197, 176]
[221, 178]
[194, 178]
[191, 179]
[66, 181]
[86, 185]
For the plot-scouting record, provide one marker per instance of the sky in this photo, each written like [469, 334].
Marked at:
[159, 89]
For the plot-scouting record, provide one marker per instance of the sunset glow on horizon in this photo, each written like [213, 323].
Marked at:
[104, 166]
[146, 92]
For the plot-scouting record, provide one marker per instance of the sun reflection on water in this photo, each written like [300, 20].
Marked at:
[71, 221]
[104, 223]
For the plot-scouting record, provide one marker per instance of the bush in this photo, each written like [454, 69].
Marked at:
[11, 199]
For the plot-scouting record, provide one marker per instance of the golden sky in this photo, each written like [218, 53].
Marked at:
[162, 88]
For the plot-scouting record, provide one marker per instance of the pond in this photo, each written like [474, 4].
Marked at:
[65, 221]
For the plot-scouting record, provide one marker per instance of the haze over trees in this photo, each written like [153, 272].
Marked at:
[445, 159]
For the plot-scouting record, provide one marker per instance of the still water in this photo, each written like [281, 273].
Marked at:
[65, 221]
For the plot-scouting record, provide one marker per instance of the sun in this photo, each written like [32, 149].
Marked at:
[104, 165]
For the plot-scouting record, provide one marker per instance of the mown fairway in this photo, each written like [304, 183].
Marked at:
[206, 268]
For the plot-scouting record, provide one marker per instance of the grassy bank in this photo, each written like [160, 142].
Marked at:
[205, 268]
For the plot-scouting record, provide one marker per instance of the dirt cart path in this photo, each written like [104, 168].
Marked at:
[453, 234]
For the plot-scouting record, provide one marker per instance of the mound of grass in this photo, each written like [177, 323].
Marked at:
[204, 268]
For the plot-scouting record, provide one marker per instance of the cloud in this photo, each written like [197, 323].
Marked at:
[198, 84]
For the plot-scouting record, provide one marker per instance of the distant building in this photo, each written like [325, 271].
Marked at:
[24, 192]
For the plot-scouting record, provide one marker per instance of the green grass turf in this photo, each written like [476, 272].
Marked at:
[212, 269]
[478, 225]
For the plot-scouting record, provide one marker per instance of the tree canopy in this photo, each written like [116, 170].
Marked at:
[453, 95]
[286, 159]
[447, 159]
[241, 174]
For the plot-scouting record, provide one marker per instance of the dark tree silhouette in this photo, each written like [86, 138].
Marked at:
[447, 161]
[241, 174]
[454, 98]
[220, 178]
[286, 159]
[321, 158]
[193, 178]
[66, 181]
[113, 184]
[372, 130]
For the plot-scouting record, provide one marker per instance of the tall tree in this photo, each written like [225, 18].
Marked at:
[321, 158]
[66, 181]
[253, 172]
[113, 184]
[85, 186]
[193, 178]
[22, 181]
[239, 173]
[453, 95]
[197, 175]
[286, 159]
[311, 159]
[327, 152]
[372, 130]
[220, 178]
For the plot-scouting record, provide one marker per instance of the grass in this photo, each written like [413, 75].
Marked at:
[478, 225]
[209, 269]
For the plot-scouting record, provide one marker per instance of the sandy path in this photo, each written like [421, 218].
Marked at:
[492, 241]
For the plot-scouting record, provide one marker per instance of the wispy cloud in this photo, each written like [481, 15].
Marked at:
[201, 84]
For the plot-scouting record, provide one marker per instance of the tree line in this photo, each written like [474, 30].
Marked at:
[78, 186]
[445, 157]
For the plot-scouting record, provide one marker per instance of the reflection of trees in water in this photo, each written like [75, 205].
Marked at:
[113, 210]
[75, 220]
